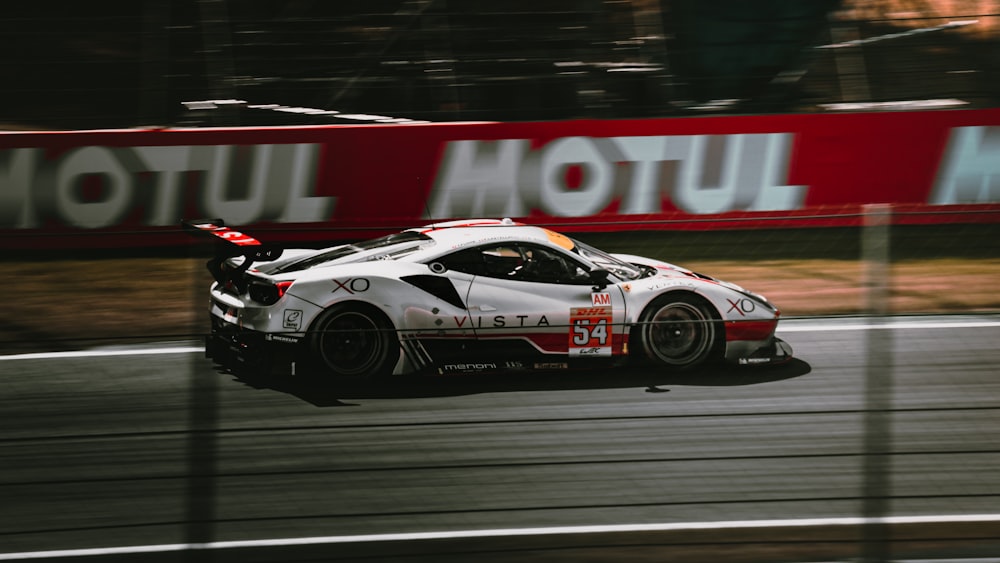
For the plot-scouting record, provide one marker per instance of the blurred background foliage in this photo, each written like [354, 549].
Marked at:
[128, 63]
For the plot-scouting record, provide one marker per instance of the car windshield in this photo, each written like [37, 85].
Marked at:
[602, 259]
[389, 247]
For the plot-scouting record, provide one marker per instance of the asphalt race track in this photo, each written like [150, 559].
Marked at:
[130, 448]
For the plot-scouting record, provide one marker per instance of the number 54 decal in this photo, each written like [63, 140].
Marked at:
[590, 331]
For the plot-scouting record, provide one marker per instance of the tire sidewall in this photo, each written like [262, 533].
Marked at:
[716, 338]
[388, 343]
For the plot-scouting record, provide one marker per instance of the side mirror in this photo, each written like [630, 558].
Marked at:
[599, 278]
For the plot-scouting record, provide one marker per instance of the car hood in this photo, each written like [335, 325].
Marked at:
[668, 270]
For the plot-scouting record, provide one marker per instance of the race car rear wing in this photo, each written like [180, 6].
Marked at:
[230, 244]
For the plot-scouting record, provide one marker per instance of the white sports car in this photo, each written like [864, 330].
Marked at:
[472, 296]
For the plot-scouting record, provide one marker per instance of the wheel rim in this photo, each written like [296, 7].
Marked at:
[679, 334]
[352, 344]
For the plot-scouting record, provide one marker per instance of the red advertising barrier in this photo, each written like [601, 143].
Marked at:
[133, 187]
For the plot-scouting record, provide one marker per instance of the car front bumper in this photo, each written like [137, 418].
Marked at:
[749, 353]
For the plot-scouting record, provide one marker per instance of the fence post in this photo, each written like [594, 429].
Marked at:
[202, 448]
[876, 494]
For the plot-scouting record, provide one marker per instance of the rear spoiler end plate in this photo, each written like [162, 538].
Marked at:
[231, 243]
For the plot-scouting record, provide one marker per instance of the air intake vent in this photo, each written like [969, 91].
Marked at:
[439, 287]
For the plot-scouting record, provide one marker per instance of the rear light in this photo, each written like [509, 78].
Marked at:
[268, 293]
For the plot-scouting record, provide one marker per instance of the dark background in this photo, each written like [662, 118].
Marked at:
[128, 63]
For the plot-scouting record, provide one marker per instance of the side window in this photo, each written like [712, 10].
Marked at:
[517, 262]
[469, 261]
[548, 266]
[503, 261]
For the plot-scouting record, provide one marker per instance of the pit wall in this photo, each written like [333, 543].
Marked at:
[131, 188]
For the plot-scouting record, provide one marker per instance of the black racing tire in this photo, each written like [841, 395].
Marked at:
[353, 341]
[679, 330]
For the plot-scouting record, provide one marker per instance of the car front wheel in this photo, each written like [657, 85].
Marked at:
[352, 340]
[679, 331]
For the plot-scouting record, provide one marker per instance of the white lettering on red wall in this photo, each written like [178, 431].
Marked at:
[970, 168]
[132, 188]
[240, 183]
[696, 174]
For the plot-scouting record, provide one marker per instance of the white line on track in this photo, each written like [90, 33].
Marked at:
[104, 353]
[509, 532]
[801, 325]
[786, 326]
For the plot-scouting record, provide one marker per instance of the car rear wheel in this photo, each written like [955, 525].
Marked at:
[679, 330]
[353, 340]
